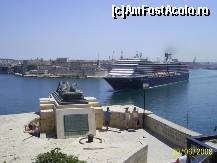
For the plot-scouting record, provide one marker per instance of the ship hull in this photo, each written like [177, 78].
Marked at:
[120, 83]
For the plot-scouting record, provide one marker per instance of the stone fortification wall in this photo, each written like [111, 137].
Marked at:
[170, 131]
[118, 116]
[173, 133]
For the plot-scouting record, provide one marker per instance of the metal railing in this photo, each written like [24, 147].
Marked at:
[202, 152]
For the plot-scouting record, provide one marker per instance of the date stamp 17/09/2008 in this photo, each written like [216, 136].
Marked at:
[192, 151]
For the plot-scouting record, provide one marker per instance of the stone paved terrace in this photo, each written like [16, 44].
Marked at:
[17, 146]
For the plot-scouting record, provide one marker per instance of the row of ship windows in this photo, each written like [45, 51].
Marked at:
[147, 73]
[148, 65]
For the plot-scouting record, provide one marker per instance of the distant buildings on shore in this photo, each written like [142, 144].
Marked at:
[61, 67]
[202, 65]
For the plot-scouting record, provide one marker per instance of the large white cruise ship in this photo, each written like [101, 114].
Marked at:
[133, 73]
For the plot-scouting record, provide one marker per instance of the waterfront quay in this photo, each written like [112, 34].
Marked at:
[59, 67]
[154, 144]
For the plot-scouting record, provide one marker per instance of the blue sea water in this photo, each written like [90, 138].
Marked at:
[191, 104]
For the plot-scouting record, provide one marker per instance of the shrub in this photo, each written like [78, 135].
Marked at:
[55, 156]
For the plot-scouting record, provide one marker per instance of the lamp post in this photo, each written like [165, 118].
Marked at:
[144, 86]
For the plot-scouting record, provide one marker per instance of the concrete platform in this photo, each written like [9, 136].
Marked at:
[116, 145]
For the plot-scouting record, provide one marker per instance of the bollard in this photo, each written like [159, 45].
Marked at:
[90, 138]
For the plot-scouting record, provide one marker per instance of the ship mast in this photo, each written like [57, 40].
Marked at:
[122, 54]
[168, 57]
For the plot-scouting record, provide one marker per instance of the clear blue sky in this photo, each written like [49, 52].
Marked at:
[80, 29]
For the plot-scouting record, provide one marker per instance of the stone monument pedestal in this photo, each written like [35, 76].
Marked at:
[68, 113]
[74, 122]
